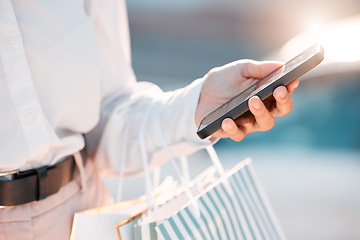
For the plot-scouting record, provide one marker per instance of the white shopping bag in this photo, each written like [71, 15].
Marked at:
[100, 223]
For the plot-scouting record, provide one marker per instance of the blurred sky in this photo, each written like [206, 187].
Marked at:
[310, 161]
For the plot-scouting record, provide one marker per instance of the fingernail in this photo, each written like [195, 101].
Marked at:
[228, 125]
[297, 84]
[282, 93]
[256, 103]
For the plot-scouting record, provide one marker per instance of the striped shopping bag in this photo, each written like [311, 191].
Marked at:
[233, 207]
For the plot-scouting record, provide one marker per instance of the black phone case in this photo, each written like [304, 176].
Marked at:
[264, 93]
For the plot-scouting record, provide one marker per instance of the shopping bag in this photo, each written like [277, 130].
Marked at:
[99, 223]
[243, 212]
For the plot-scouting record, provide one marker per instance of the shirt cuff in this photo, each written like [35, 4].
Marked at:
[186, 141]
[193, 95]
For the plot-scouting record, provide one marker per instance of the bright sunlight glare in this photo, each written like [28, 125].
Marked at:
[344, 43]
[340, 41]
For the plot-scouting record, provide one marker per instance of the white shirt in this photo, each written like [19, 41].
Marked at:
[65, 71]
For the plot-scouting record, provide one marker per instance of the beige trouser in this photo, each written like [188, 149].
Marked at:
[52, 217]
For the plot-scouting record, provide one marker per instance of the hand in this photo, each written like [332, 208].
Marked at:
[223, 83]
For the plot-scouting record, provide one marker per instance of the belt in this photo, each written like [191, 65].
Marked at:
[36, 184]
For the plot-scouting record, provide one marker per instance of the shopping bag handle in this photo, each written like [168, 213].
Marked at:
[183, 175]
[147, 180]
[123, 158]
[144, 158]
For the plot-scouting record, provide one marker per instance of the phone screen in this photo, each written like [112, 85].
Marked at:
[255, 88]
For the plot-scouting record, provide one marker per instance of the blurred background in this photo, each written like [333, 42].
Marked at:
[309, 163]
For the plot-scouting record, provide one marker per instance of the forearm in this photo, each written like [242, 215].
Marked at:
[170, 118]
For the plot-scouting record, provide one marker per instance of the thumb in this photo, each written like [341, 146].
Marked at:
[255, 69]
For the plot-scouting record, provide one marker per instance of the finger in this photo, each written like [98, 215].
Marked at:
[292, 86]
[231, 129]
[264, 120]
[254, 69]
[284, 102]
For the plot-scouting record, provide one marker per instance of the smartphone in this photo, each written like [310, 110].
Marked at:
[263, 88]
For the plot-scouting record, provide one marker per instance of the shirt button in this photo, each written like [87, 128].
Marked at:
[30, 114]
[10, 42]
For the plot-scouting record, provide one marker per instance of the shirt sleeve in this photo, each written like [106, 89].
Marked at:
[146, 117]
